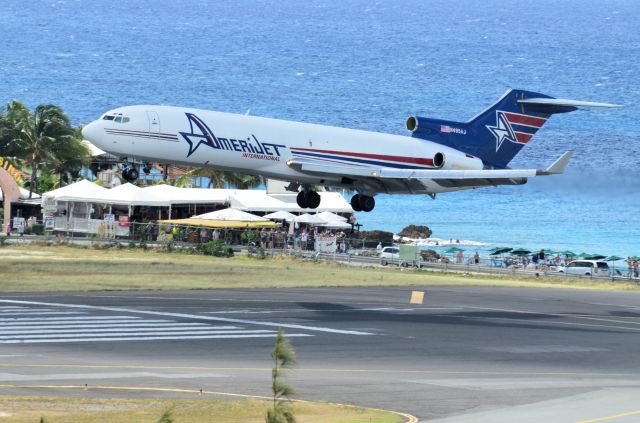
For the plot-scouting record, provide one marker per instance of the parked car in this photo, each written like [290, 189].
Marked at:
[586, 268]
[389, 253]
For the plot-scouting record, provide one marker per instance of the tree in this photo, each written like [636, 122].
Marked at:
[283, 357]
[68, 157]
[220, 178]
[37, 137]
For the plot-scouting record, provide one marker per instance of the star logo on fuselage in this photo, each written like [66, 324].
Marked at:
[200, 134]
[502, 131]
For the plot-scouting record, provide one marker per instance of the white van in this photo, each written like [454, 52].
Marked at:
[586, 268]
[389, 254]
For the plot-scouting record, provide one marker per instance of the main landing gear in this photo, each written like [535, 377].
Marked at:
[130, 174]
[363, 203]
[308, 199]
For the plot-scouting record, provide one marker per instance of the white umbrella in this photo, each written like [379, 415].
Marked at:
[231, 214]
[328, 216]
[310, 219]
[280, 215]
[336, 224]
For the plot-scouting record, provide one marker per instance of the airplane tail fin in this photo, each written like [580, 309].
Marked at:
[498, 133]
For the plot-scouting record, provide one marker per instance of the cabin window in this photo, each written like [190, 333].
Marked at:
[108, 117]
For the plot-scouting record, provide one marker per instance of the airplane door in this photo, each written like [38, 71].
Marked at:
[154, 121]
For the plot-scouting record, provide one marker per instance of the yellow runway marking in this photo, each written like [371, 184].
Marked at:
[607, 418]
[314, 370]
[409, 418]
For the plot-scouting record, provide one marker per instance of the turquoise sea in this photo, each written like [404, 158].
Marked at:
[369, 64]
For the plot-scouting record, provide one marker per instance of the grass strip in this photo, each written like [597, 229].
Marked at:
[32, 268]
[92, 410]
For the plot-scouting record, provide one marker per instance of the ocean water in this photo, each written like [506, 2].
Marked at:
[369, 64]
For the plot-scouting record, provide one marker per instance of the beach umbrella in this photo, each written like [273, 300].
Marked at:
[499, 250]
[453, 250]
[595, 257]
[583, 255]
[520, 252]
[549, 251]
[568, 253]
[310, 219]
[613, 259]
[280, 215]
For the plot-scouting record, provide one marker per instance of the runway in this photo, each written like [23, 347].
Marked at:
[465, 354]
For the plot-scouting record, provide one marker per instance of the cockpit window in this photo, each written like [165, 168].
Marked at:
[117, 117]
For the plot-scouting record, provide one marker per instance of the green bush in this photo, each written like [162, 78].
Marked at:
[214, 248]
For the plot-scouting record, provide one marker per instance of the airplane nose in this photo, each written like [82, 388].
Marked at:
[91, 132]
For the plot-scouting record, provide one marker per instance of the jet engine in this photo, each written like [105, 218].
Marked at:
[457, 161]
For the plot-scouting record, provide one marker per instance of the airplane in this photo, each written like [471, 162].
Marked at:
[438, 156]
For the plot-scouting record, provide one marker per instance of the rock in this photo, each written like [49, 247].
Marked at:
[370, 239]
[429, 255]
[416, 232]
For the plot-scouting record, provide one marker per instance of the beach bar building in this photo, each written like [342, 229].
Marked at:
[85, 207]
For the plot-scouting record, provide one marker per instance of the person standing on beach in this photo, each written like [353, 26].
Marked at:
[636, 267]
[476, 258]
[629, 266]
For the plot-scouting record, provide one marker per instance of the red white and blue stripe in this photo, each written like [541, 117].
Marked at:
[361, 159]
[160, 136]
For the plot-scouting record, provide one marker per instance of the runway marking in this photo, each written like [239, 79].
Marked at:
[147, 338]
[409, 418]
[36, 313]
[316, 370]
[53, 319]
[192, 316]
[142, 332]
[102, 324]
[100, 329]
[616, 416]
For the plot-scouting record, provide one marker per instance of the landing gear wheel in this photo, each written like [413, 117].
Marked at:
[367, 203]
[355, 203]
[313, 200]
[301, 199]
[130, 174]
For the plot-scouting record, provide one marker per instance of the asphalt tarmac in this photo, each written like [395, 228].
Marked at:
[465, 354]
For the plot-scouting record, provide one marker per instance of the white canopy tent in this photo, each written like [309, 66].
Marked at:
[131, 195]
[328, 216]
[81, 191]
[178, 195]
[310, 219]
[231, 214]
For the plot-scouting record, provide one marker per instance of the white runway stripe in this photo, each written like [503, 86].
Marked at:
[121, 325]
[29, 309]
[191, 316]
[142, 333]
[86, 323]
[38, 313]
[148, 338]
[53, 319]
[172, 328]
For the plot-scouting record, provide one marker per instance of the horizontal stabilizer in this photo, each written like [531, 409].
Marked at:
[565, 103]
[559, 165]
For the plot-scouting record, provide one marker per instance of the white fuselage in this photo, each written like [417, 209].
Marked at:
[266, 147]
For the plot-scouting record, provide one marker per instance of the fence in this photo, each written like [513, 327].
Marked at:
[330, 246]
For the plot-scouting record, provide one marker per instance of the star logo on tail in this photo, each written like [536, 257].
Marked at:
[502, 131]
[200, 134]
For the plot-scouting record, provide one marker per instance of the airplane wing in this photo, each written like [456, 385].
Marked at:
[489, 176]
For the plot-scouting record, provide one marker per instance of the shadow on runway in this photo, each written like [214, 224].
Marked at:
[332, 312]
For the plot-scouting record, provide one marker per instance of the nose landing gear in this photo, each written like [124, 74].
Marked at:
[363, 203]
[308, 199]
